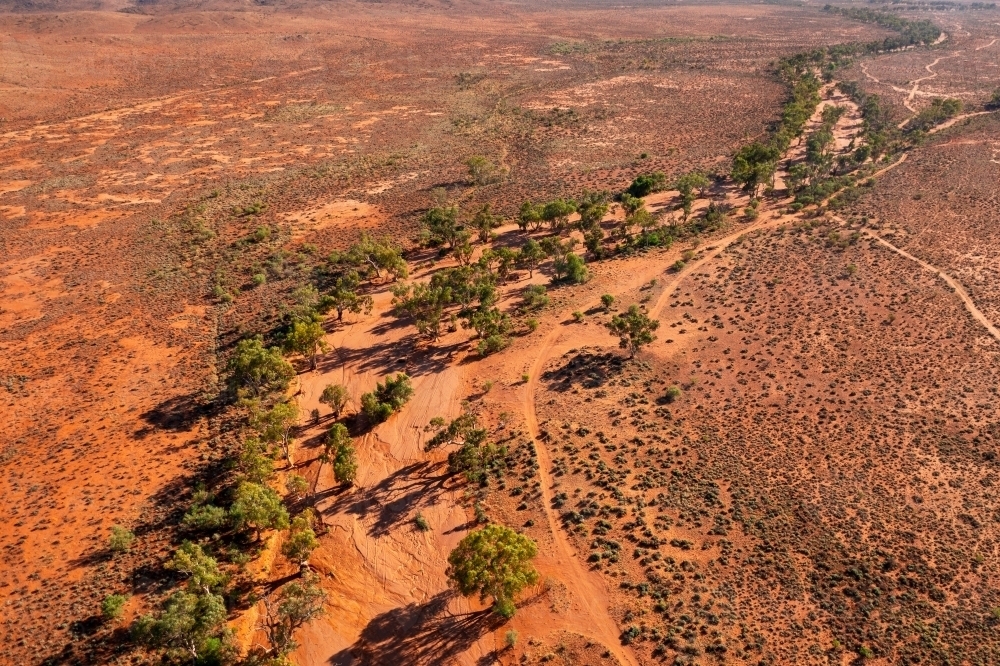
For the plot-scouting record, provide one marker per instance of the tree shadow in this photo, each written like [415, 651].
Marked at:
[394, 498]
[584, 369]
[387, 356]
[490, 658]
[418, 634]
[178, 414]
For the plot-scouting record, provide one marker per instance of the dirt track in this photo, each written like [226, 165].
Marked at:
[959, 290]
[140, 366]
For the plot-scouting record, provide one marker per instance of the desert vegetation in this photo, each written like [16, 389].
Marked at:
[329, 374]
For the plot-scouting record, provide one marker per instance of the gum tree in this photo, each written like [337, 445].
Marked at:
[494, 562]
[633, 328]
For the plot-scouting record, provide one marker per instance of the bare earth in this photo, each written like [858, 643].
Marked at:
[825, 481]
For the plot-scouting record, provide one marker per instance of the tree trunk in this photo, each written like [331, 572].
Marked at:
[318, 472]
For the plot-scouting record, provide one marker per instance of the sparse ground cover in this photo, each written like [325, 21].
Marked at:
[157, 273]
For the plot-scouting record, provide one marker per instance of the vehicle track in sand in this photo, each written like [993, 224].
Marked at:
[955, 285]
[584, 584]
[916, 85]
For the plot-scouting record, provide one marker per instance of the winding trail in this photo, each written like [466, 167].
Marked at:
[916, 84]
[959, 290]
[584, 585]
[948, 123]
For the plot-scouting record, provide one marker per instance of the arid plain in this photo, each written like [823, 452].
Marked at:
[799, 468]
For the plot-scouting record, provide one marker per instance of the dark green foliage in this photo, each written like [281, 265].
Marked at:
[469, 288]
[939, 111]
[494, 562]
[633, 328]
[301, 541]
[205, 517]
[477, 457]
[489, 322]
[570, 267]
[647, 183]
[441, 225]
[484, 221]
[200, 568]
[534, 297]
[686, 186]
[369, 257]
[530, 256]
[592, 208]
[464, 427]
[335, 397]
[345, 463]
[557, 212]
[189, 626]
[255, 367]
[253, 463]
[308, 339]
[259, 508]
[387, 398]
[754, 165]
[529, 216]
[344, 296]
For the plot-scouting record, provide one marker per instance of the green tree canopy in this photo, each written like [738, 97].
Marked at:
[345, 463]
[534, 297]
[370, 257]
[276, 424]
[633, 328]
[255, 367]
[192, 625]
[647, 183]
[201, 569]
[295, 605]
[301, 541]
[686, 186]
[308, 339]
[441, 225]
[530, 256]
[345, 297]
[529, 216]
[593, 207]
[754, 165]
[253, 463]
[336, 398]
[387, 397]
[484, 222]
[259, 508]
[570, 267]
[557, 212]
[494, 562]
